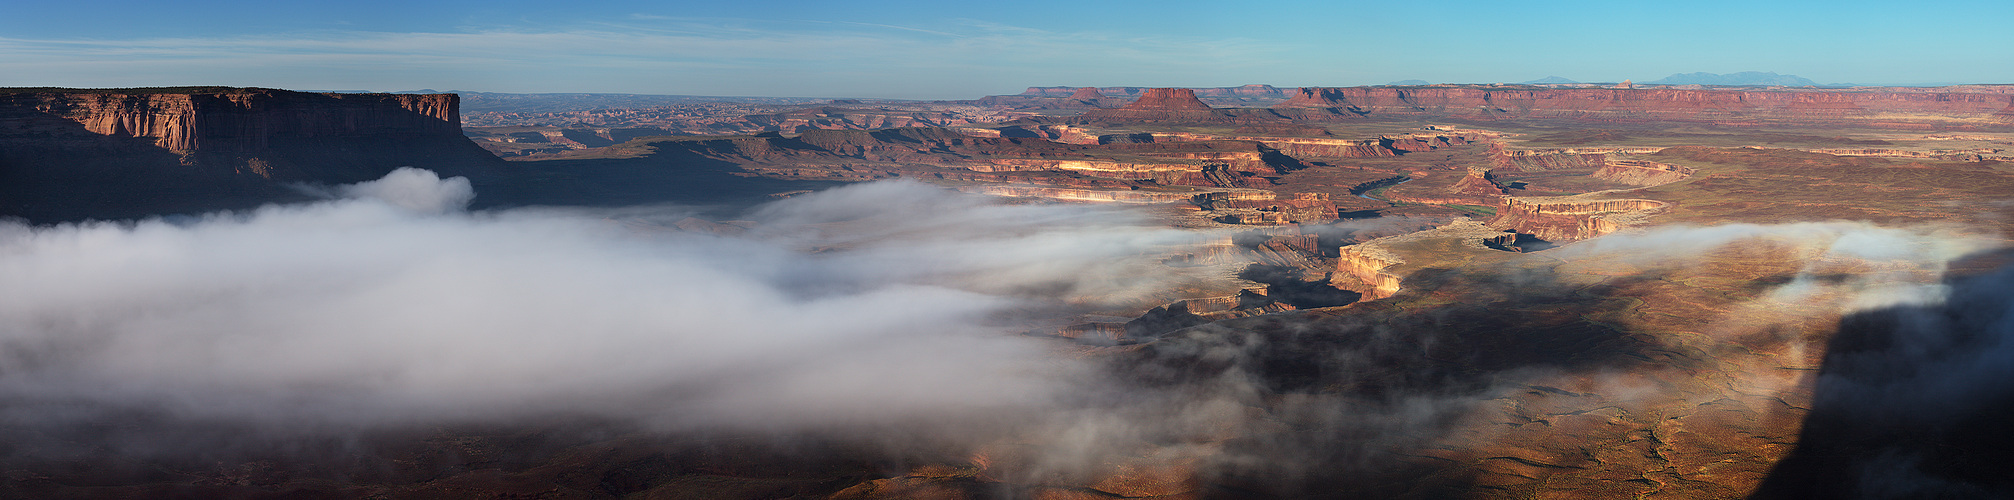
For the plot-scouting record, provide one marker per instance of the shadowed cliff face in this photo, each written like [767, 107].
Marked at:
[238, 119]
[1912, 402]
[78, 154]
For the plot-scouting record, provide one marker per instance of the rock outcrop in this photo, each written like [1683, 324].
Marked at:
[1642, 172]
[1478, 182]
[1168, 100]
[1172, 105]
[1368, 265]
[68, 154]
[1088, 96]
[1570, 218]
[1539, 160]
[1262, 207]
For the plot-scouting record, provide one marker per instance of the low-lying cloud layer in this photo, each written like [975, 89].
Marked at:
[892, 305]
[868, 303]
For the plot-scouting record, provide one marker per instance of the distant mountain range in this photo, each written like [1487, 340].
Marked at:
[1408, 82]
[1550, 79]
[1742, 78]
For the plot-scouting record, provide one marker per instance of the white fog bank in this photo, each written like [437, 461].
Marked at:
[394, 306]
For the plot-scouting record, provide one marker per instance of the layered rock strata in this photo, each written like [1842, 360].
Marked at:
[69, 154]
[1263, 208]
[1376, 269]
[1571, 218]
[953, 156]
[1478, 182]
[1172, 105]
[1954, 108]
[1642, 172]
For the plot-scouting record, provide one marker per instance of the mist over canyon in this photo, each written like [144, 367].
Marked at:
[1450, 291]
[394, 306]
[881, 315]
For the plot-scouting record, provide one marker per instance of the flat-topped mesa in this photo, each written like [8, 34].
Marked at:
[71, 154]
[228, 118]
[1315, 97]
[1539, 160]
[1568, 218]
[1168, 99]
[1172, 105]
[1642, 172]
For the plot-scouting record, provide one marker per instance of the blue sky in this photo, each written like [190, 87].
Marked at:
[954, 49]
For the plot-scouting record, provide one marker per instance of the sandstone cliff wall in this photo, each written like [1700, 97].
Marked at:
[1502, 157]
[1368, 266]
[247, 120]
[1663, 104]
[68, 154]
[1570, 219]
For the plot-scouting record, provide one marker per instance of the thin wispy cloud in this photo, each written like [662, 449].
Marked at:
[644, 54]
[904, 28]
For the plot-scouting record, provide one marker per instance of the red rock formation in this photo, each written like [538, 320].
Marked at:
[78, 153]
[1301, 251]
[1368, 267]
[1368, 148]
[1421, 143]
[237, 119]
[1261, 207]
[1087, 94]
[1533, 160]
[1168, 99]
[1171, 105]
[1567, 219]
[1642, 173]
[1663, 104]
[952, 155]
[1478, 182]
